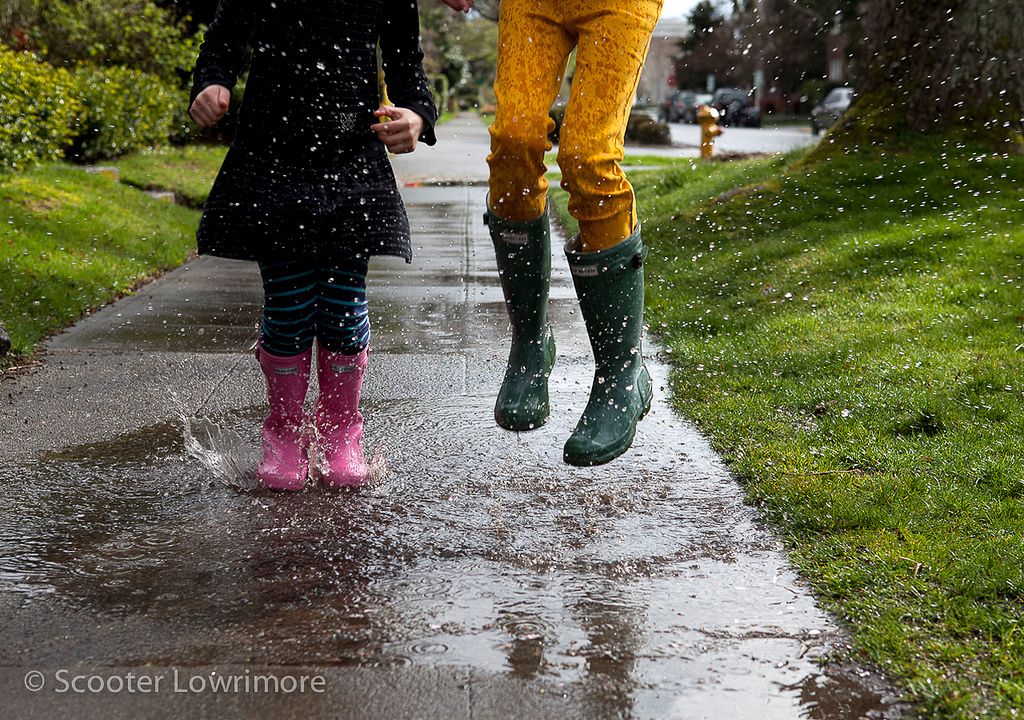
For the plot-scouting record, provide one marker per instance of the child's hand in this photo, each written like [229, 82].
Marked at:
[401, 132]
[210, 106]
[460, 5]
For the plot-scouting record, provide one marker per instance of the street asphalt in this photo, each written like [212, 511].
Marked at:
[479, 577]
[745, 140]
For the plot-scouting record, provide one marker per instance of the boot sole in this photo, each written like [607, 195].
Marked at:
[526, 427]
[287, 486]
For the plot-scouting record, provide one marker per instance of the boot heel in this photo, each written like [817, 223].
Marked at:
[646, 393]
[549, 351]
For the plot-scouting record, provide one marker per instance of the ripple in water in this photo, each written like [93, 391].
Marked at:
[477, 547]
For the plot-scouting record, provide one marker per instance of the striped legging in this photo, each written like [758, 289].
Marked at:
[303, 301]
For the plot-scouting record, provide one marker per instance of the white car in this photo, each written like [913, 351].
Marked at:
[825, 113]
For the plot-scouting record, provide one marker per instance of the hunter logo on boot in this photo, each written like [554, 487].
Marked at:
[584, 270]
[515, 237]
[338, 368]
[286, 371]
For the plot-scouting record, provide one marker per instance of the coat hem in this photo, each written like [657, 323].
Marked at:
[256, 257]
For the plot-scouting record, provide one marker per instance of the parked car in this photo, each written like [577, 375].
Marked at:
[825, 113]
[680, 106]
[736, 107]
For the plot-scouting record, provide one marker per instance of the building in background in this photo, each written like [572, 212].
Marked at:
[657, 80]
[837, 55]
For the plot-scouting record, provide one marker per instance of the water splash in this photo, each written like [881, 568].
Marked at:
[221, 452]
[225, 455]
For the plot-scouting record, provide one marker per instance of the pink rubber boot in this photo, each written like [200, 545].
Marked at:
[285, 465]
[339, 424]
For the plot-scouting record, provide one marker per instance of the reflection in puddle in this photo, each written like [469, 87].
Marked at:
[840, 695]
[612, 578]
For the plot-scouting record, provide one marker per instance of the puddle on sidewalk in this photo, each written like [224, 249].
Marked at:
[644, 581]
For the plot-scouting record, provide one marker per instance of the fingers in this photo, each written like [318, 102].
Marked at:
[391, 127]
[202, 115]
[396, 121]
[211, 105]
[401, 133]
[398, 143]
[198, 115]
[389, 111]
[399, 136]
[223, 99]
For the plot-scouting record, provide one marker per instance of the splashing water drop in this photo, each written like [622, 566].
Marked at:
[220, 451]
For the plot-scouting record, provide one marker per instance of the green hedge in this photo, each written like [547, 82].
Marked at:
[38, 110]
[125, 110]
[140, 34]
[90, 113]
[645, 130]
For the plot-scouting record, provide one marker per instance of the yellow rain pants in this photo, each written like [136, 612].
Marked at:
[535, 38]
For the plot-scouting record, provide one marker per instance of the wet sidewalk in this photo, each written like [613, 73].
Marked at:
[479, 578]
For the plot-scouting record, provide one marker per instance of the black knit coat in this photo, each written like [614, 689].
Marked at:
[305, 176]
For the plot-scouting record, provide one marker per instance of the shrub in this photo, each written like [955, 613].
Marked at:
[125, 110]
[134, 33]
[16, 16]
[645, 130]
[441, 90]
[38, 112]
[640, 128]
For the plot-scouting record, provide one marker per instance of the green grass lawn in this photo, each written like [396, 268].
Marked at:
[189, 171]
[72, 242]
[633, 160]
[849, 335]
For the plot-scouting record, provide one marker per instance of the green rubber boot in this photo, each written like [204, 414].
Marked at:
[610, 287]
[523, 252]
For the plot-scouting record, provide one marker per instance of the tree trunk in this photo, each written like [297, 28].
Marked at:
[946, 62]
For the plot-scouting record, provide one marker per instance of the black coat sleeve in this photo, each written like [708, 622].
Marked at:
[222, 56]
[403, 65]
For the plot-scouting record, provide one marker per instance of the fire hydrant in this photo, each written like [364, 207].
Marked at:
[709, 130]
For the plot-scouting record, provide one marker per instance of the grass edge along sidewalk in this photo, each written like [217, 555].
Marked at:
[848, 334]
[187, 171]
[72, 242]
